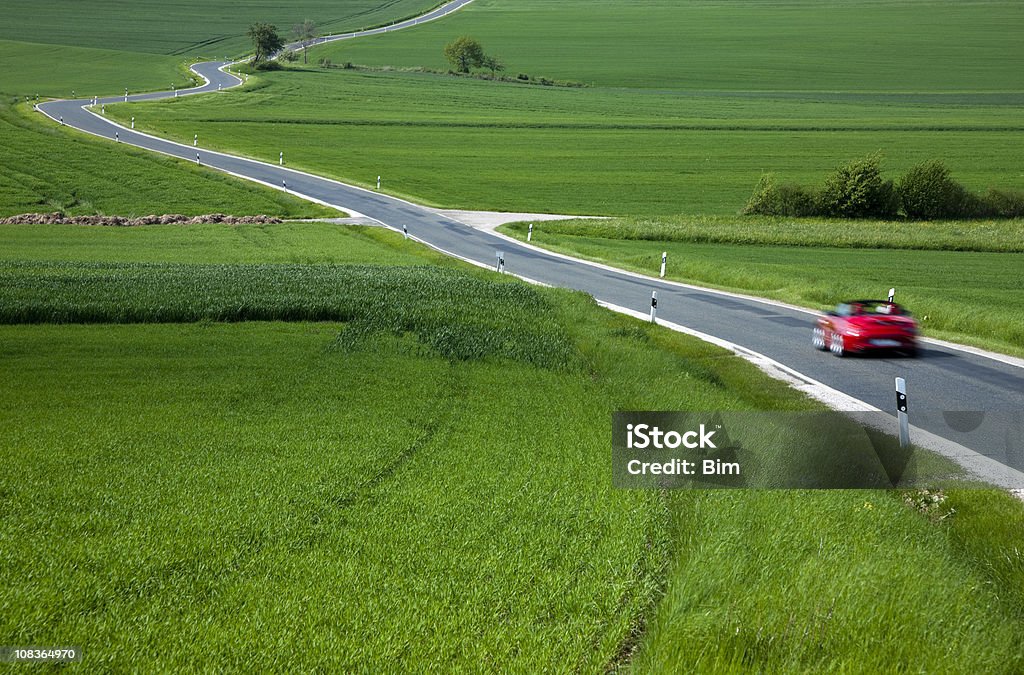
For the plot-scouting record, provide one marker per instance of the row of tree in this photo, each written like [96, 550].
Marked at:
[857, 189]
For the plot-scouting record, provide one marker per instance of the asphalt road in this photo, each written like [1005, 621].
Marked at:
[942, 379]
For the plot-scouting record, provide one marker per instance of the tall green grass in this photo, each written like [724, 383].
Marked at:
[281, 496]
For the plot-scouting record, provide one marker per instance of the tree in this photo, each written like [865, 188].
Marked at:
[305, 33]
[856, 190]
[928, 191]
[464, 53]
[265, 40]
[493, 64]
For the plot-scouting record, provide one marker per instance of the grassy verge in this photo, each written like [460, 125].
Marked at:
[965, 296]
[47, 168]
[381, 493]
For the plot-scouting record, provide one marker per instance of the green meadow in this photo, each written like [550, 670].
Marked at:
[315, 447]
[592, 151]
[386, 486]
[686, 104]
[741, 45]
[48, 168]
[98, 47]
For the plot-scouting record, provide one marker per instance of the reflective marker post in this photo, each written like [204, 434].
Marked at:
[405, 231]
[378, 182]
[117, 137]
[197, 158]
[499, 265]
[284, 184]
[195, 140]
[664, 259]
[529, 233]
[280, 159]
[654, 306]
[133, 123]
[892, 294]
[901, 412]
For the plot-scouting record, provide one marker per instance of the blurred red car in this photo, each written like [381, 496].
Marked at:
[866, 325]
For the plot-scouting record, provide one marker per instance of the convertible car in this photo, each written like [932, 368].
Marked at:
[866, 325]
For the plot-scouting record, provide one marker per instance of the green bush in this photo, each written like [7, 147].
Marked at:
[771, 199]
[928, 192]
[856, 190]
[1004, 203]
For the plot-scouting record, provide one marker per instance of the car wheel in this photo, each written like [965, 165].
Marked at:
[836, 345]
[818, 338]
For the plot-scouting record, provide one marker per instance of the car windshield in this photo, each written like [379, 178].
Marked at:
[869, 308]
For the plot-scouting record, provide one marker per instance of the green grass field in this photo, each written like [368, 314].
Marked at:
[48, 168]
[373, 494]
[963, 295]
[476, 144]
[98, 47]
[192, 27]
[750, 45]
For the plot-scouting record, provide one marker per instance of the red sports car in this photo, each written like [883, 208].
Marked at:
[866, 325]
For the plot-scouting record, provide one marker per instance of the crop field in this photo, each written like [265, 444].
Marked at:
[486, 145]
[99, 47]
[687, 104]
[740, 45]
[50, 169]
[192, 27]
[340, 495]
[315, 447]
[964, 295]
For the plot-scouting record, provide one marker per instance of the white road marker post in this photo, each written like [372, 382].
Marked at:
[133, 122]
[664, 259]
[901, 412]
[103, 108]
[175, 88]
[892, 294]
[405, 231]
[654, 306]
[499, 265]
[378, 182]
[284, 184]
[197, 159]
[117, 137]
[72, 93]
[280, 159]
[529, 233]
[62, 120]
[195, 140]
[218, 87]
[126, 94]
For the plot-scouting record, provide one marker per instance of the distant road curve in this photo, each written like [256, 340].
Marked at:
[945, 378]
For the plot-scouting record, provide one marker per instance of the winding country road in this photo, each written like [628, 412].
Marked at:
[944, 378]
